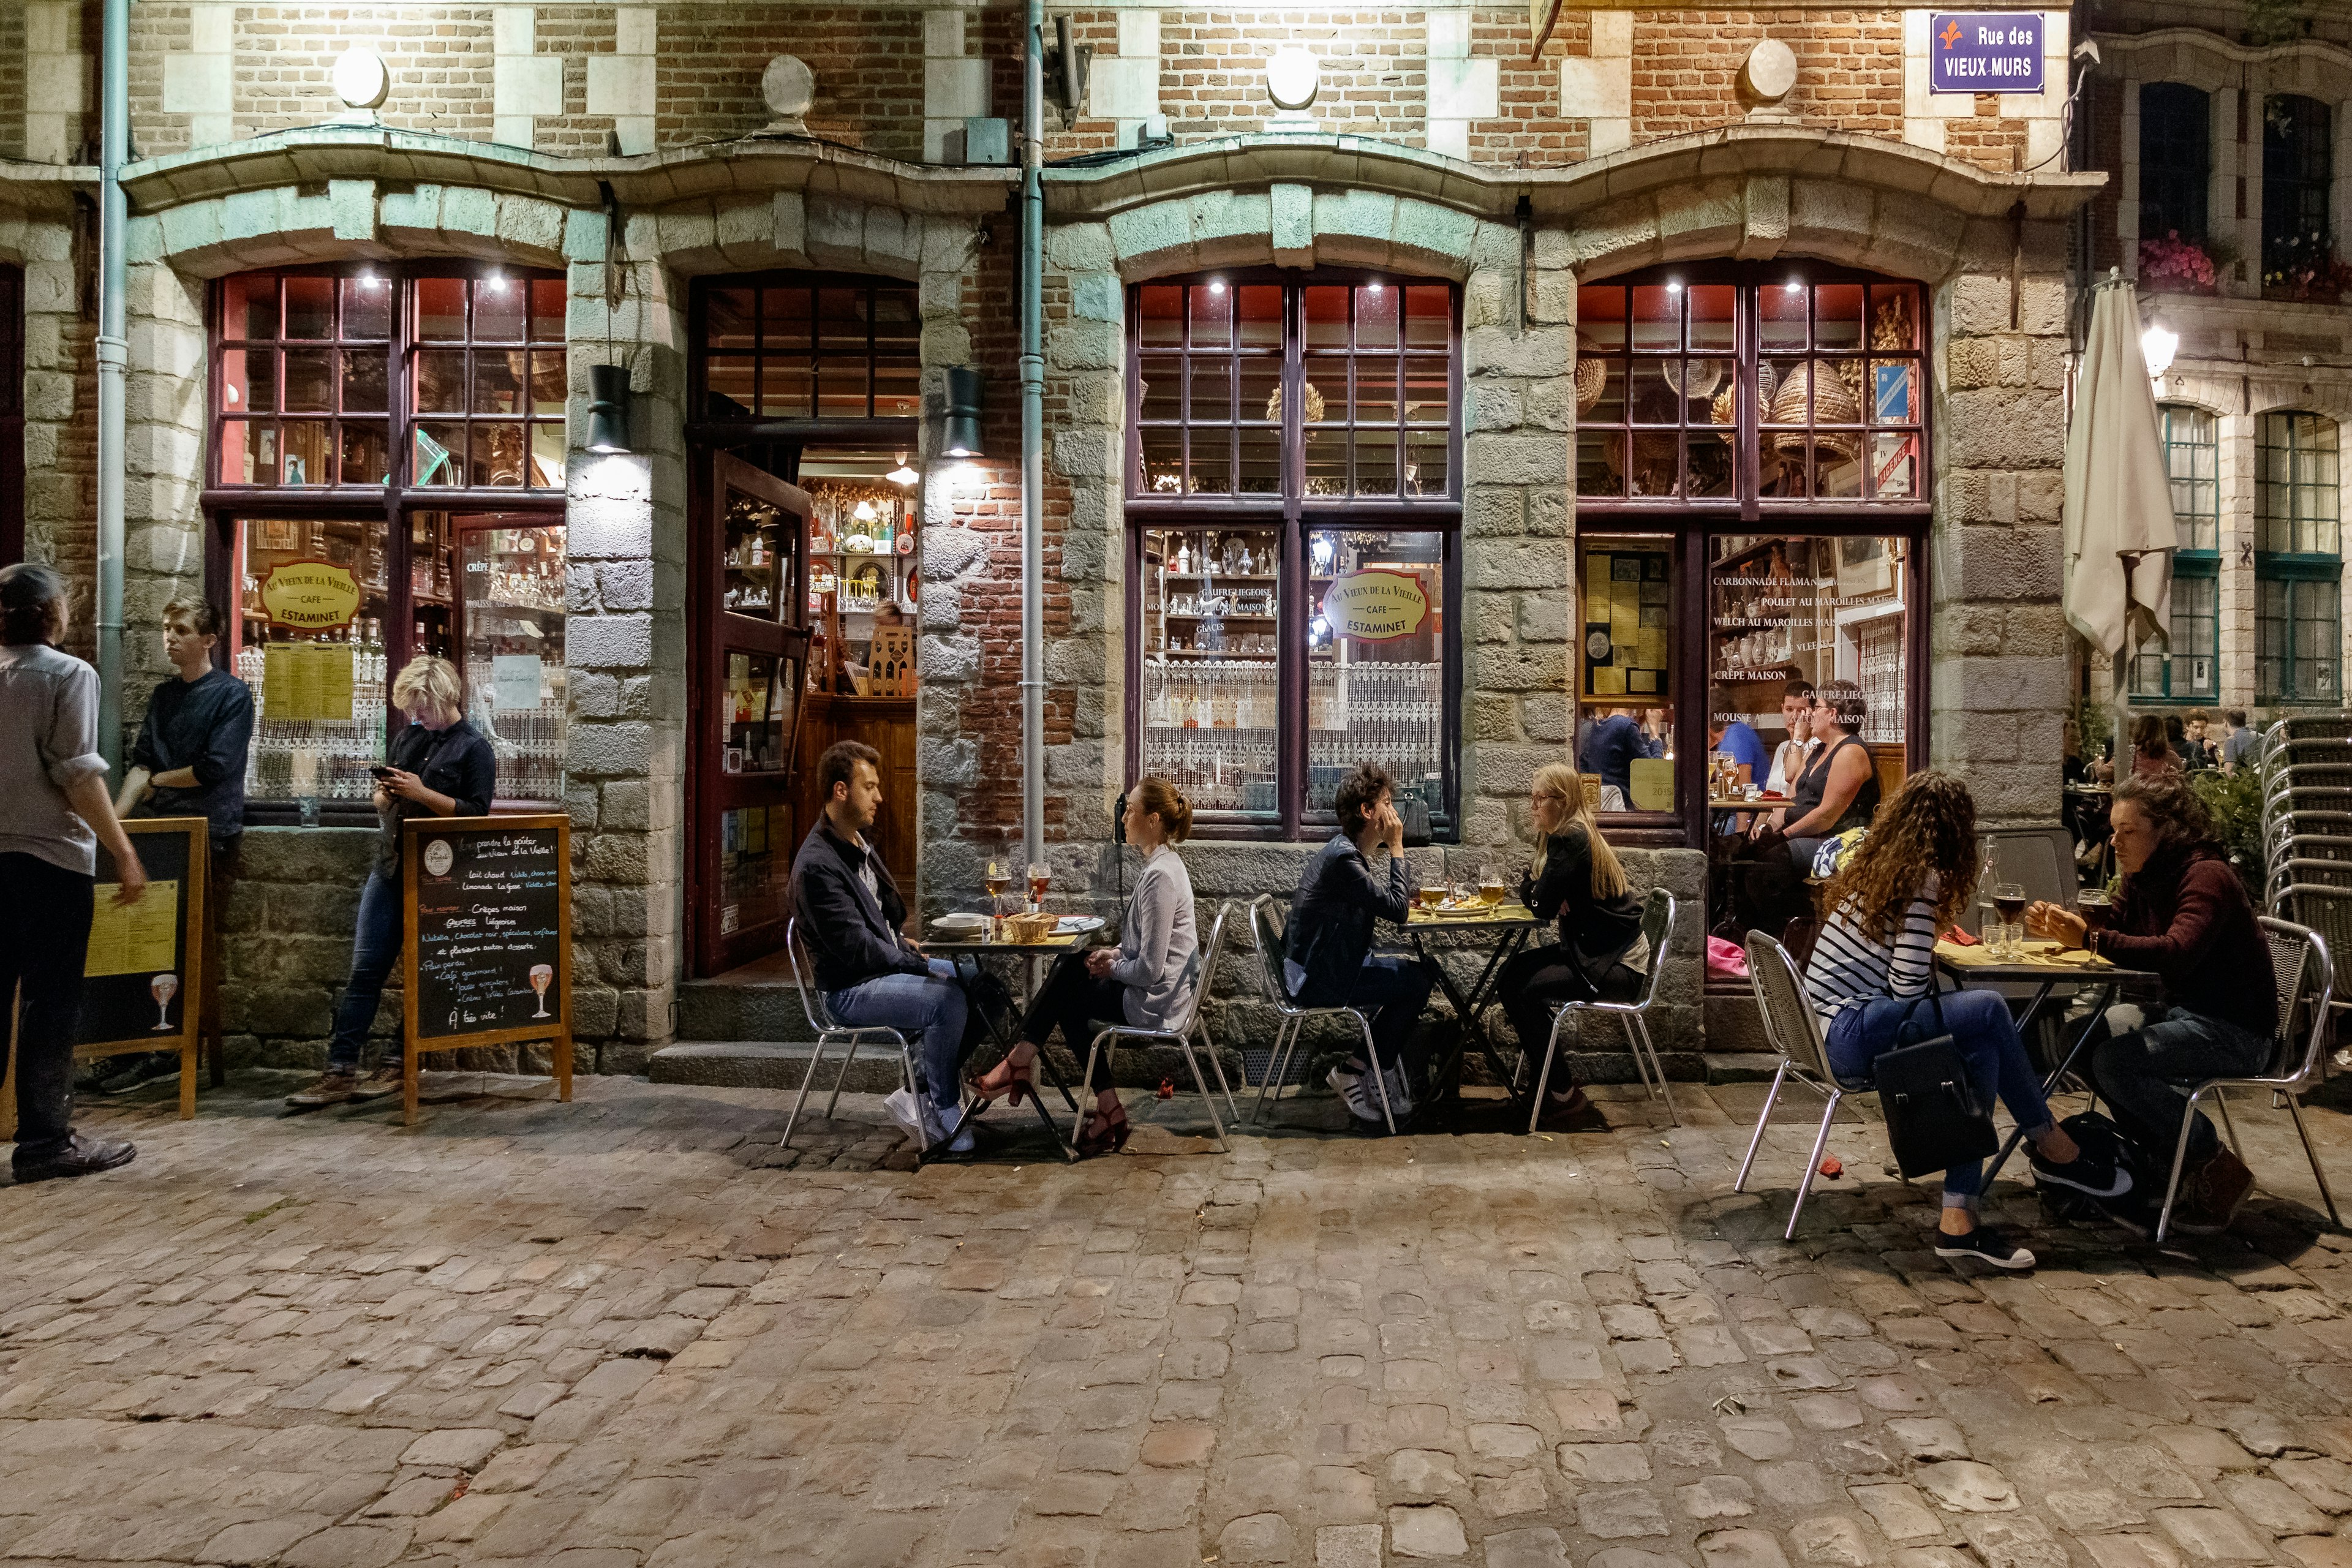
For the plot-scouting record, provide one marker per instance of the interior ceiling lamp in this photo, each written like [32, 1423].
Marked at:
[608, 408]
[967, 390]
[902, 476]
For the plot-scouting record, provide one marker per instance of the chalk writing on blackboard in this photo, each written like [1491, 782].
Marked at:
[489, 933]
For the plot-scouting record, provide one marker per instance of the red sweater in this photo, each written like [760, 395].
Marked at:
[2185, 917]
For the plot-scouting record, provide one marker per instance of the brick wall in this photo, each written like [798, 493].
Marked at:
[1212, 77]
[1687, 68]
[439, 57]
[868, 64]
[1528, 131]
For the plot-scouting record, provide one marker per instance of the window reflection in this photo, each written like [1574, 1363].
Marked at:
[1375, 672]
[1625, 658]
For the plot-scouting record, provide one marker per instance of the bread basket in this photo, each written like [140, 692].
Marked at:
[1026, 929]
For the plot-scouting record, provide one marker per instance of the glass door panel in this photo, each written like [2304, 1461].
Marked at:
[513, 619]
[1210, 697]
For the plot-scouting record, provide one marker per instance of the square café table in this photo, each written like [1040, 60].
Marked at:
[1030, 951]
[1509, 924]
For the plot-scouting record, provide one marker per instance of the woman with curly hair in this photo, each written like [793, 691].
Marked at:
[1875, 966]
[2183, 913]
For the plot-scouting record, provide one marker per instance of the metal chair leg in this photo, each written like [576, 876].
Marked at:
[2179, 1158]
[1372, 1055]
[1637, 1025]
[2228, 1121]
[1543, 1075]
[1085, 1107]
[1771, 1098]
[1274, 1064]
[1207, 1098]
[1812, 1163]
[1217, 1065]
[808, 1076]
[835, 1103]
[2294, 1108]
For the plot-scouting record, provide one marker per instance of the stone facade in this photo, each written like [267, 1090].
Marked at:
[1440, 150]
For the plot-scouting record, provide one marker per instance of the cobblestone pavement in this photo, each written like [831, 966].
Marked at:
[631, 1331]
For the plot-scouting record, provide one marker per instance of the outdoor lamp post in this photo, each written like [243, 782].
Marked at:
[2158, 345]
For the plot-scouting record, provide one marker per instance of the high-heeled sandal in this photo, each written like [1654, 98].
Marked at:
[1017, 1083]
[1106, 1134]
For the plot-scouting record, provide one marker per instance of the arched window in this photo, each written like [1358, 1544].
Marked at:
[1294, 516]
[2298, 175]
[2175, 161]
[2298, 561]
[2188, 671]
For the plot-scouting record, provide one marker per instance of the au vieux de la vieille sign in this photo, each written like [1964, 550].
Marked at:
[1984, 51]
[1375, 605]
[310, 595]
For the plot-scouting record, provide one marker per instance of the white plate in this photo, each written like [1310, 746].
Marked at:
[960, 922]
[1077, 925]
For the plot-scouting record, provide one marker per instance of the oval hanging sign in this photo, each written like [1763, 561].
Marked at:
[311, 595]
[1375, 607]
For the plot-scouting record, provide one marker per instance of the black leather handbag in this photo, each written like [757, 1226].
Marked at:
[1934, 1120]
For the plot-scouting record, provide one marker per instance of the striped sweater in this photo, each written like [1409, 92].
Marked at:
[1849, 967]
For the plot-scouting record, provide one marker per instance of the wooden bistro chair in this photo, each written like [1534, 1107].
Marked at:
[1794, 1030]
[830, 1031]
[1178, 1032]
[1265, 932]
[2307, 983]
[1658, 925]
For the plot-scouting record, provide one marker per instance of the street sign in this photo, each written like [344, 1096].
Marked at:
[1984, 51]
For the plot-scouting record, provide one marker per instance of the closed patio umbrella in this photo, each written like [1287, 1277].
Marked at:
[2119, 529]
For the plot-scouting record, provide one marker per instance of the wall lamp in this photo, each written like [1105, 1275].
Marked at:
[967, 396]
[608, 408]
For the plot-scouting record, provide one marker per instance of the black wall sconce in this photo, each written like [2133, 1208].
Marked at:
[608, 408]
[967, 396]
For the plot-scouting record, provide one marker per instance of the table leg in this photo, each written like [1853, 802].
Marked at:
[2082, 1040]
[1470, 1027]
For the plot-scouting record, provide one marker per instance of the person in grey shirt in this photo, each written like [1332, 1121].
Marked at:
[2241, 744]
[54, 813]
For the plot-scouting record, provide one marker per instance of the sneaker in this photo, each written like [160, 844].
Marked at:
[385, 1080]
[1400, 1089]
[126, 1076]
[907, 1112]
[942, 1126]
[1985, 1245]
[2085, 1172]
[79, 1156]
[332, 1089]
[1357, 1094]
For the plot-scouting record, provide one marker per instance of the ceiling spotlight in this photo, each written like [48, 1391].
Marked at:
[902, 475]
[1673, 285]
[1796, 285]
[1216, 285]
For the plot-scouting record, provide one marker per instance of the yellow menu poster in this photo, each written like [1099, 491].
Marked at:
[134, 938]
[334, 681]
[303, 701]
[278, 681]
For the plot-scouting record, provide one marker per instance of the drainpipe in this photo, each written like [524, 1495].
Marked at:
[1032, 435]
[113, 351]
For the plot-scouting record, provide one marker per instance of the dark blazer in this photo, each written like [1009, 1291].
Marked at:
[851, 933]
[455, 762]
[1332, 916]
[1590, 926]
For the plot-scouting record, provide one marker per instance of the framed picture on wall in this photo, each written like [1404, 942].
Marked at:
[1865, 567]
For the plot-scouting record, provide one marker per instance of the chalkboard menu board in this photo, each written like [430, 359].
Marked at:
[143, 981]
[488, 936]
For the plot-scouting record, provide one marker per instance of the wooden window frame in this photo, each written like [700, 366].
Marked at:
[2293, 194]
[2165, 180]
[1293, 515]
[12, 414]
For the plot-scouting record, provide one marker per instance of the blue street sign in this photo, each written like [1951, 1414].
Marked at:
[1984, 51]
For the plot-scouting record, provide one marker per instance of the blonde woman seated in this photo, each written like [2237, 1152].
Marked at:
[1870, 980]
[1602, 954]
[1147, 980]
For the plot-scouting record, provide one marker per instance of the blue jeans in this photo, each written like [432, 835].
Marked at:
[375, 948]
[914, 1005]
[2138, 1073]
[1398, 986]
[1980, 1027]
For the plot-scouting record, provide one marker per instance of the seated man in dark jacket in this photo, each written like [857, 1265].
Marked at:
[1608, 751]
[1329, 958]
[2182, 914]
[849, 912]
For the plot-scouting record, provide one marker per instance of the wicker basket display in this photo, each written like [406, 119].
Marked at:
[1834, 403]
[1591, 378]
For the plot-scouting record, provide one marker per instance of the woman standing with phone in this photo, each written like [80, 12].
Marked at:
[437, 766]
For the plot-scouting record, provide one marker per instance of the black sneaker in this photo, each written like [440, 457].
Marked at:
[2085, 1172]
[137, 1071]
[1985, 1245]
[80, 1156]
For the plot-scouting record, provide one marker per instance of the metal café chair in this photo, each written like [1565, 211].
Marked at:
[1265, 932]
[829, 1031]
[2306, 985]
[1658, 925]
[1794, 1030]
[1178, 1032]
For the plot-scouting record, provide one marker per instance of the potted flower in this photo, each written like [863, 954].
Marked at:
[2305, 267]
[2176, 266]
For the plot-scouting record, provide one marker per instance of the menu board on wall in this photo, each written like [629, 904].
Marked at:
[1628, 638]
[307, 682]
[488, 936]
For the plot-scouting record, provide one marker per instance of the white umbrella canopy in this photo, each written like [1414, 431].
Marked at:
[2119, 529]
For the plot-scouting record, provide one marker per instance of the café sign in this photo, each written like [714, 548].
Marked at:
[1984, 51]
[310, 595]
[1375, 607]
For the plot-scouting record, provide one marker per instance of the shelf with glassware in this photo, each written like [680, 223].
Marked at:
[513, 636]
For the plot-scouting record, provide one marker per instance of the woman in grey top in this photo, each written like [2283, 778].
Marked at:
[54, 813]
[1145, 980]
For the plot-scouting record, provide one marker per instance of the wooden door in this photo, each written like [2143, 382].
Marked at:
[748, 602]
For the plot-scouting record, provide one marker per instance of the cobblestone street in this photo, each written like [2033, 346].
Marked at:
[631, 1331]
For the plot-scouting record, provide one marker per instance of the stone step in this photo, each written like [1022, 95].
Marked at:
[768, 1064]
[720, 1010]
[1733, 1024]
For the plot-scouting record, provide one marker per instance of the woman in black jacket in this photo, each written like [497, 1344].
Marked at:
[1601, 954]
[437, 766]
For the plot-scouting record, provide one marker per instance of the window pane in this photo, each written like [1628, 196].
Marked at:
[1599, 463]
[729, 320]
[307, 445]
[497, 381]
[841, 389]
[1261, 461]
[1712, 328]
[310, 308]
[249, 307]
[1780, 317]
[1894, 393]
[318, 691]
[1657, 317]
[1708, 459]
[1894, 466]
[248, 380]
[440, 381]
[784, 323]
[751, 735]
[841, 323]
[1261, 389]
[1428, 318]
[1893, 317]
[1212, 316]
[1163, 454]
[365, 459]
[1212, 462]
[499, 454]
[1426, 454]
[513, 654]
[1259, 325]
[441, 308]
[547, 302]
[729, 376]
[1376, 317]
[547, 382]
[364, 391]
[897, 386]
[1376, 393]
[1376, 652]
[437, 455]
[1159, 314]
[787, 389]
[367, 307]
[547, 456]
[1159, 390]
[1323, 315]
[1600, 316]
[1213, 391]
[1625, 659]
[1837, 317]
[1210, 705]
[309, 381]
[1428, 394]
[500, 307]
[1655, 401]
[241, 445]
[1376, 462]
[1325, 462]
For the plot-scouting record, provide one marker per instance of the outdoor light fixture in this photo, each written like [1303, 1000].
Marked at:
[497, 280]
[966, 393]
[902, 475]
[1216, 285]
[1673, 285]
[2158, 346]
[608, 408]
[1796, 285]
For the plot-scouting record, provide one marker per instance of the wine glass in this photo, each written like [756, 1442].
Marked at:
[542, 976]
[1491, 887]
[997, 877]
[2009, 901]
[1041, 876]
[164, 987]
